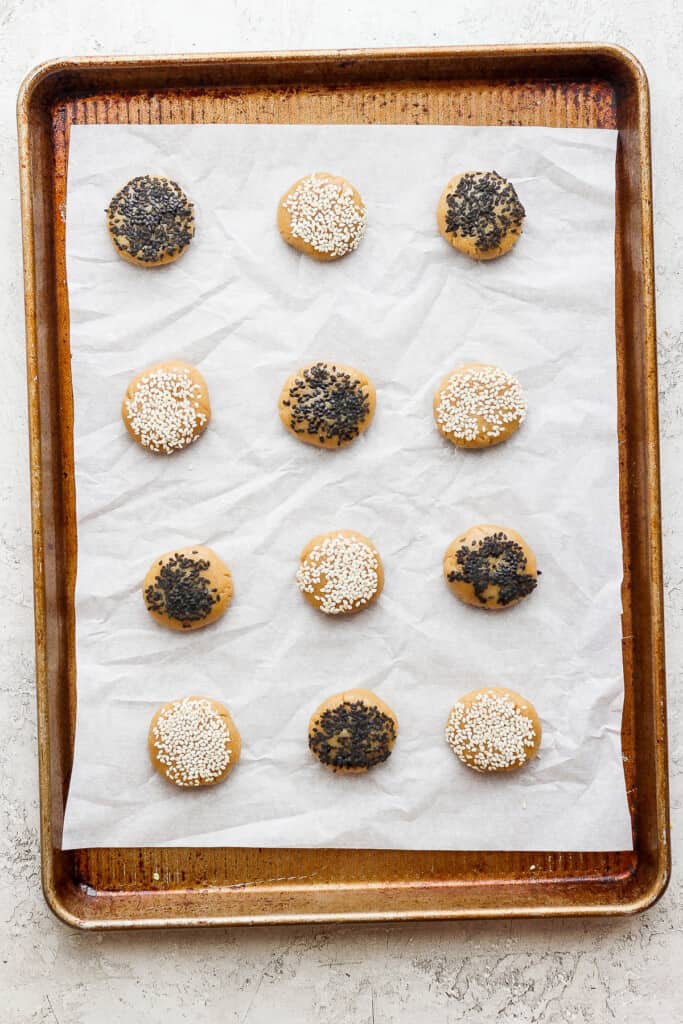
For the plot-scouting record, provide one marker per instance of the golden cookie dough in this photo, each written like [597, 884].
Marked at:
[187, 588]
[194, 742]
[478, 405]
[327, 405]
[150, 220]
[323, 216]
[167, 406]
[490, 567]
[340, 572]
[493, 730]
[352, 731]
[479, 213]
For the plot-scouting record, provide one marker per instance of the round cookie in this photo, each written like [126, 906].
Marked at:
[323, 216]
[478, 405]
[327, 405]
[340, 572]
[150, 220]
[194, 742]
[352, 731]
[166, 407]
[490, 567]
[493, 730]
[480, 215]
[187, 588]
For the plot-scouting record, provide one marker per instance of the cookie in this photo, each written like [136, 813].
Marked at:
[480, 215]
[167, 407]
[340, 572]
[323, 216]
[352, 731]
[187, 588]
[327, 405]
[194, 742]
[478, 405]
[150, 220]
[490, 567]
[493, 730]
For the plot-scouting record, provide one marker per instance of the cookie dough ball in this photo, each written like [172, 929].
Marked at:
[478, 405]
[480, 214]
[490, 567]
[352, 731]
[167, 407]
[187, 588]
[151, 221]
[323, 216]
[340, 572]
[194, 742]
[493, 730]
[327, 405]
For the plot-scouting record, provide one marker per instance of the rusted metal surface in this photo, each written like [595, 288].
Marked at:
[557, 85]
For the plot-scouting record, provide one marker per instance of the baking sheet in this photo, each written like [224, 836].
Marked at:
[246, 310]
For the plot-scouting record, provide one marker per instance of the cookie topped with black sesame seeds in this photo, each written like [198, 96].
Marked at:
[478, 405]
[150, 220]
[490, 567]
[323, 216]
[353, 731]
[194, 742]
[327, 405]
[187, 588]
[493, 730]
[479, 213]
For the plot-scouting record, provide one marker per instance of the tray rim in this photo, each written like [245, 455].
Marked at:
[27, 93]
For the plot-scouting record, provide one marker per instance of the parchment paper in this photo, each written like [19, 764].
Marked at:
[405, 308]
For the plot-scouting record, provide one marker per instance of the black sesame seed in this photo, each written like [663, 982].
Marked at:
[180, 591]
[353, 735]
[327, 404]
[151, 218]
[483, 206]
[495, 561]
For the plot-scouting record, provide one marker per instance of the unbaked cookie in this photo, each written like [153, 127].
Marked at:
[167, 406]
[187, 588]
[323, 216]
[340, 572]
[490, 567]
[327, 405]
[352, 731]
[478, 405]
[150, 220]
[493, 730]
[194, 742]
[479, 213]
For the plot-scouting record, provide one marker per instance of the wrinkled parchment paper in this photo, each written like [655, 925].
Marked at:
[405, 308]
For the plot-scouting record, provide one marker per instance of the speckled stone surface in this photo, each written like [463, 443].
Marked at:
[550, 972]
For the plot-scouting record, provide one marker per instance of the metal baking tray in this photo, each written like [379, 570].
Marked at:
[556, 85]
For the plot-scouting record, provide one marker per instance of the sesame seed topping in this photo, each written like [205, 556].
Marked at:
[180, 590]
[494, 561]
[192, 741]
[484, 206]
[327, 402]
[151, 218]
[341, 573]
[352, 735]
[325, 215]
[491, 732]
[480, 401]
[163, 412]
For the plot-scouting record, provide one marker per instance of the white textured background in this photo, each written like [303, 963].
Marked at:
[505, 972]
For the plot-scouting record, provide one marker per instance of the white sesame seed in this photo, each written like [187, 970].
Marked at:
[163, 411]
[491, 733]
[480, 401]
[346, 567]
[325, 215]
[192, 741]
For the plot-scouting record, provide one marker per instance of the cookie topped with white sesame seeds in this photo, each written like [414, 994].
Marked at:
[490, 567]
[194, 742]
[323, 216]
[327, 405]
[493, 730]
[187, 588]
[150, 220]
[167, 407]
[340, 572]
[479, 213]
[479, 405]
